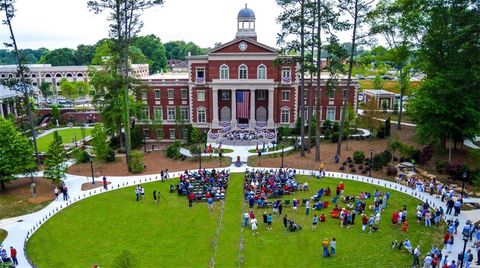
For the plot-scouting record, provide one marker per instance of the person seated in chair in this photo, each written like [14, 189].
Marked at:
[407, 245]
[318, 205]
[323, 218]
[4, 256]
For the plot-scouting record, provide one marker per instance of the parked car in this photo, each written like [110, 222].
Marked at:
[370, 77]
[360, 77]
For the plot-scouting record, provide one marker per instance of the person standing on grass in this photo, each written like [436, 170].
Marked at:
[210, 203]
[416, 257]
[404, 227]
[333, 246]
[155, 197]
[325, 247]
[364, 222]
[253, 222]
[295, 204]
[307, 207]
[13, 255]
[314, 222]
[246, 216]
[285, 221]
[269, 221]
[280, 208]
[265, 218]
[137, 193]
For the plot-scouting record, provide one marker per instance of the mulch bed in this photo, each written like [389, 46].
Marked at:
[89, 186]
[20, 189]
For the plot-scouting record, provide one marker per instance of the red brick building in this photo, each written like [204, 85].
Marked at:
[236, 86]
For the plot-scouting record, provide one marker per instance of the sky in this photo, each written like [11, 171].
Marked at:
[68, 23]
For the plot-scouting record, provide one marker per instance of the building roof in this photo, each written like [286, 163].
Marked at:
[238, 40]
[6, 93]
[379, 92]
[246, 13]
[168, 76]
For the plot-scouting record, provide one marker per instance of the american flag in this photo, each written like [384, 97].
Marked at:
[243, 101]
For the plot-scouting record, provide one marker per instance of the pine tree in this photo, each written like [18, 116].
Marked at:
[55, 161]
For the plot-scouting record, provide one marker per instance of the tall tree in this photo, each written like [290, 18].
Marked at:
[358, 10]
[45, 89]
[55, 161]
[21, 84]
[84, 54]
[15, 153]
[60, 57]
[153, 49]
[126, 23]
[292, 20]
[447, 104]
[99, 142]
[68, 89]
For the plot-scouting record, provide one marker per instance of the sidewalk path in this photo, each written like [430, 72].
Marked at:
[22, 227]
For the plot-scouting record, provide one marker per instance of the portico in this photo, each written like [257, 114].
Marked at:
[252, 89]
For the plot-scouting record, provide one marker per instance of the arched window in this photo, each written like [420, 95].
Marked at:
[58, 75]
[48, 75]
[69, 75]
[79, 75]
[243, 72]
[261, 72]
[224, 72]
[34, 76]
[3, 75]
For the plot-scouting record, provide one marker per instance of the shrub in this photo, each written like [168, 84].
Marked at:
[392, 171]
[456, 170]
[364, 171]
[395, 159]
[334, 137]
[335, 127]
[110, 155]
[358, 157]
[327, 124]
[381, 132]
[344, 163]
[136, 162]
[426, 154]
[173, 150]
[360, 167]
[367, 168]
[353, 170]
[80, 156]
[377, 162]
[440, 165]
[341, 168]
[351, 165]
[387, 157]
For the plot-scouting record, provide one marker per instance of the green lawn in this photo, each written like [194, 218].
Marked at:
[67, 135]
[171, 234]
[3, 235]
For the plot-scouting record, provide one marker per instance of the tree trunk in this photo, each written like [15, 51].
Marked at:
[318, 92]
[349, 79]
[402, 92]
[2, 185]
[126, 111]
[302, 79]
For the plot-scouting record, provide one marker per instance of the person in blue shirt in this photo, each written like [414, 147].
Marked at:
[269, 221]
[314, 222]
[210, 203]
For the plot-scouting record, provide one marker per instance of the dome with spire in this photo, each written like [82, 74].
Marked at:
[246, 13]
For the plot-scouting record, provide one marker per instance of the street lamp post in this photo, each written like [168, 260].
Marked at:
[282, 155]
[463, 183]
[199, 158]
[466, 237]
[371, 161]
[91, 168]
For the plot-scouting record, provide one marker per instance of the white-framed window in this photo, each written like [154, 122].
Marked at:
[170, 113]
[200, 72]
[201, 115]
[285, 95]
[331, 113]
[145, 113]
[159, 134]
[200, 95]
[146, 132]
[285, 116]
[261, 72]
[158, 113]
[225, 94]
[184, 92]
[172, 133]
[157, 94]
[261, 94]
[286, 74]
[144, 95]
[171, 94]
[243, 72]
[185, 134]
[185, 113]
[224, 72]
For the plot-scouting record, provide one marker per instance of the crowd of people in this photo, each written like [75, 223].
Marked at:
[202, 185]
[5, 259]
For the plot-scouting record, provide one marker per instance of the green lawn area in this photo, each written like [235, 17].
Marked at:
[171, 234]
[12, 206]
[67, 135]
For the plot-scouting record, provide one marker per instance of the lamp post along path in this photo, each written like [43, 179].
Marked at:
[91, 167]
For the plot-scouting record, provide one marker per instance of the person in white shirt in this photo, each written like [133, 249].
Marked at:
[253, 222]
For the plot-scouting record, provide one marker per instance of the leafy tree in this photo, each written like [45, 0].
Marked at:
[387, 127]
[45, 89]
[378, 82]
[21, 83]
[154, 51]
[136, 164]
[349, 121]
[370, 114]
[69, 89]
[197, 136]
[15, 152]
[55, 161]
[378, 161]
[56, 113]
[447, 104]
[358, 10]
[84, 54]
[179, 49]
[99, 142]
[358, 157]
[125, 24]
[60, 57]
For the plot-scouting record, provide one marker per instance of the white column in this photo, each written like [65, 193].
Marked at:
[215, 106]
[8, 108]
[14, 107]
[252, 107]
[1, 110]
[270, 107]
[234, 108]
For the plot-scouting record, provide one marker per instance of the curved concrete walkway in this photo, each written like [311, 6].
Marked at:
[22, 227]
